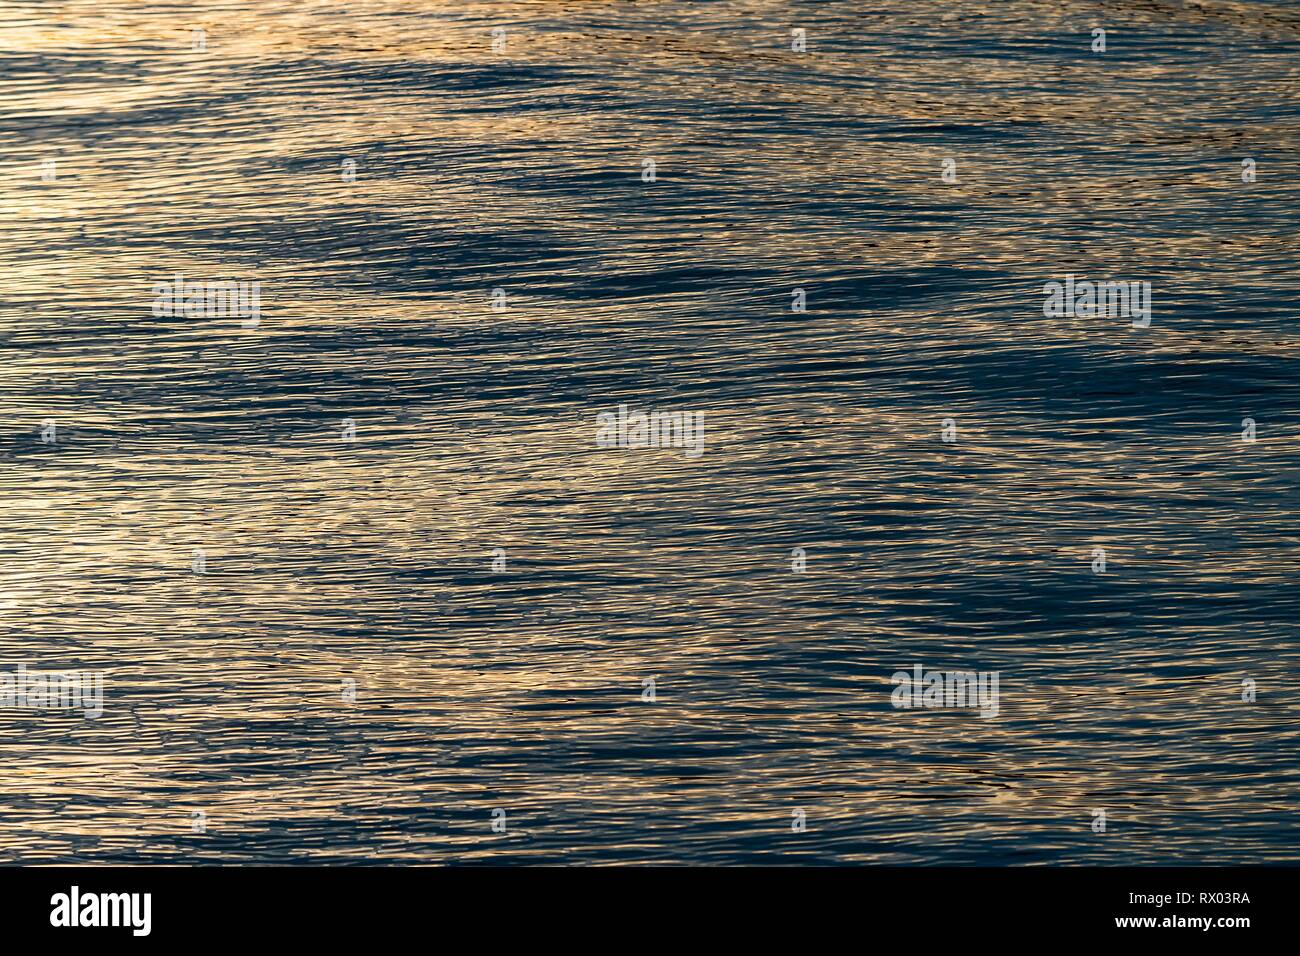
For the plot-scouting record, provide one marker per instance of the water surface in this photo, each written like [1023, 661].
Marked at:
[521, 689]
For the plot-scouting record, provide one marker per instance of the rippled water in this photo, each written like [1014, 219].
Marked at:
[521, 689]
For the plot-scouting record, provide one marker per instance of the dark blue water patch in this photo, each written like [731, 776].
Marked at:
[455, 79]
[899, 288]
[1076, 607]
[1204, 385]
[70, 69]
[432, 258]
[689, 193]
[1124, 45]
[938, 132]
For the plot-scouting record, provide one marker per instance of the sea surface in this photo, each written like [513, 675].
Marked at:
[493, 588]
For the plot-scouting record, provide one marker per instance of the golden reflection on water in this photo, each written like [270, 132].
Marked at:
[521, 689]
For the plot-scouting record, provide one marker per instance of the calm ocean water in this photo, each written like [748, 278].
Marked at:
[520, 689]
